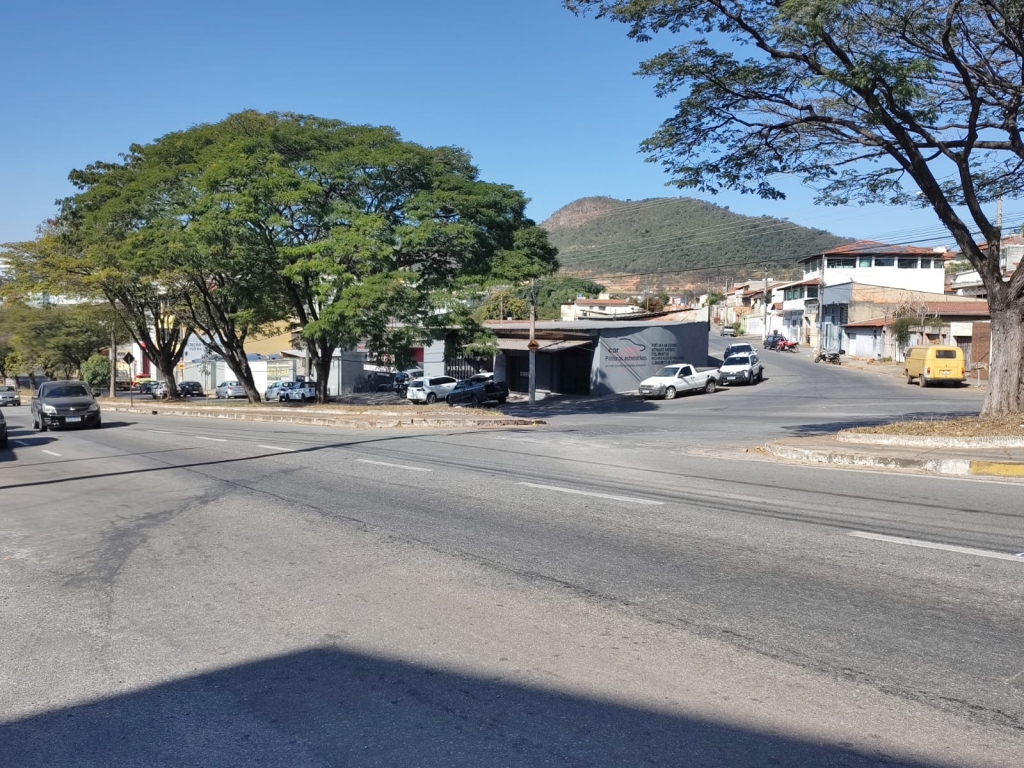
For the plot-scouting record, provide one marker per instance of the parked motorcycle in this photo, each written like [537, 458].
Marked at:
[787, 346]
[830, 357]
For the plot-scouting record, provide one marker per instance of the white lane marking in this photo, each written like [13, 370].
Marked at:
[630, 499]
[274, 447]
[933, 545]
[50, 452]
[211, 439]
[19, 442]
[396, 466]
[160, 431]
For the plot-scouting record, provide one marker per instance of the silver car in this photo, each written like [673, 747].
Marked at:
[230, 389]
[9, 395]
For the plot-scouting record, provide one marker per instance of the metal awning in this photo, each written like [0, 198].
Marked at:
[546, 345]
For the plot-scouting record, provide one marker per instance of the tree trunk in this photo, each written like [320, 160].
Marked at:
[1006, 365]
[166, 365]
[239, 365]
[321, 355]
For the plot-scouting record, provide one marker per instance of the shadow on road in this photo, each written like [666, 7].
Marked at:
[329, 707]
[572, 405]
[831, 427]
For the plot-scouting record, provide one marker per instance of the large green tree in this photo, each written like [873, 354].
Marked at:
[904, 102]
[367, 236]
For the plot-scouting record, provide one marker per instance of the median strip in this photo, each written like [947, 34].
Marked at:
[630, 499]
[934, 545]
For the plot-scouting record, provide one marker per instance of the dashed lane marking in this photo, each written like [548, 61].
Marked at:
[396, 466]
[630, 499]
[51, 453]
[211, 439]
[934, 545]
[274, 447]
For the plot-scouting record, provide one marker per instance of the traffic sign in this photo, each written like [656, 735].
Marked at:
[129, 358]
[533, 346]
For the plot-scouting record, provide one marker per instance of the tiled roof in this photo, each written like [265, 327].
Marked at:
[873, 247]
[877, 322]
[944, 308]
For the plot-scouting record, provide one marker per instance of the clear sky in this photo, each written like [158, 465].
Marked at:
[543, 100]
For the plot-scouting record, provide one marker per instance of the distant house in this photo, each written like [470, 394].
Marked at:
[968, 282]
[598, 309]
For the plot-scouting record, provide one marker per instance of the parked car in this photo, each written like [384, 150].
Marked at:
[64, 403]
[737, 349]
[273, 393]
[9, 395]
[298, 391]
[477, 390]
[145, 387]
[430, 390]
[158, 390]
[727, 330]
[681, 377]
[191, 389]
[230, 389]
[745, 368]
[3, 431]
[932, 364]
[772, 342]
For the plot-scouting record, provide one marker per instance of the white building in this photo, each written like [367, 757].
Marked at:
[598, 309]
[891, 266]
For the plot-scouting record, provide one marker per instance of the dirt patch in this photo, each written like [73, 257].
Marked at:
[974, 426]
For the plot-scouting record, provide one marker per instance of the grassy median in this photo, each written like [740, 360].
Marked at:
[1010, 425]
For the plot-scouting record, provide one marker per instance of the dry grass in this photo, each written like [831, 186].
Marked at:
[974, 426]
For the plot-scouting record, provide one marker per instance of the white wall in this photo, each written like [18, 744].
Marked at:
[930, 279]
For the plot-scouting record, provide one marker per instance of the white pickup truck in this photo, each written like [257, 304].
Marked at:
[679, 377]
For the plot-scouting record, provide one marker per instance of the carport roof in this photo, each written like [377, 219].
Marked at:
[546, 345]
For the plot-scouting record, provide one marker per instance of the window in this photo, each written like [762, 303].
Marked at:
[794, 293]
[887, 261]
[841, 263]
[812, 291]
[865, 262]
[926, 263]
[907, 263]
[945, 354]
[938, 263]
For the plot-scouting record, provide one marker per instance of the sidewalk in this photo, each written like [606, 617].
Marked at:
[914, 455]
[895, 371]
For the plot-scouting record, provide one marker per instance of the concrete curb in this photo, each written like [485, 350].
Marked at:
[954, 467]
[323, 420]
[930, 441]
[958, 467]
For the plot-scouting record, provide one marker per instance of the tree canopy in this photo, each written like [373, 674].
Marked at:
[908, 102]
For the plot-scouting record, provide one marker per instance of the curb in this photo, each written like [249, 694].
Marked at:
[957, 467]
[331, 421]
[930, 441]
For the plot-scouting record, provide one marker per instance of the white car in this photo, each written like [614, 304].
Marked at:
[430, 390]
[741, 348]
[742, 368]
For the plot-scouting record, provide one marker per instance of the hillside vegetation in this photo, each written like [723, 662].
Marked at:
[612, 240]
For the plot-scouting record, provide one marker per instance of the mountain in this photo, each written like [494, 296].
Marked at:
[685, 240]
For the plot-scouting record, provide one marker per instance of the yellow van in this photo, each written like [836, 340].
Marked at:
[931, 364]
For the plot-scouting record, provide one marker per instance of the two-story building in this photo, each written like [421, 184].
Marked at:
[598, 309]
[830, 279]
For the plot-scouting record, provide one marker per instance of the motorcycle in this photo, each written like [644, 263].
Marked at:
[830, 357]
[787, 346]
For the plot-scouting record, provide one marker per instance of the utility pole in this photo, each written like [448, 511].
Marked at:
[764, 299]
[113, 359]
[533, 345]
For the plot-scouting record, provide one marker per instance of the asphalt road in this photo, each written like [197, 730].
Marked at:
[626, 586]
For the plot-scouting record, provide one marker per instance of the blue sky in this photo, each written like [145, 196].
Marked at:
[543, 100]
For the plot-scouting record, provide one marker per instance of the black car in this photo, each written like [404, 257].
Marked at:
[477, 390]
[3, 431]
[191, 389]
[65, 403]
[772, 342]
[146, 388]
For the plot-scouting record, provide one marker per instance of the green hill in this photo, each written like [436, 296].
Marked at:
[613, 240]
